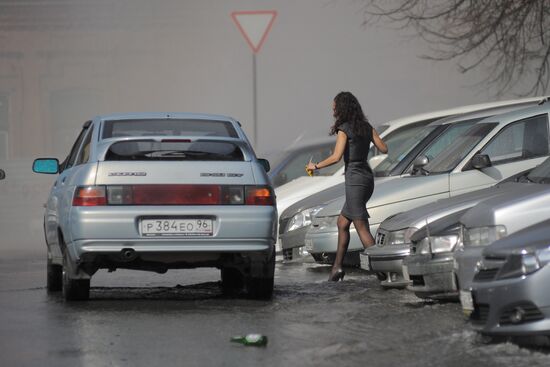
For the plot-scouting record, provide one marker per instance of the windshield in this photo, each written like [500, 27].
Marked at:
[170, 127]
[456, 151]
[399, 145]
[447, 138]
[146, 150]
[541, 173]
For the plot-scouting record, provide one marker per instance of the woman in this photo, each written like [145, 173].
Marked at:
[354, 135]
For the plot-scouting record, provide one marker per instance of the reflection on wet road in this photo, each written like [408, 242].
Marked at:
[181, 318]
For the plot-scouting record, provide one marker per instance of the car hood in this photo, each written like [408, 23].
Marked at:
[313, 200]
[428, 213]
[395, 190]
[515, 209]
[439, 226]
[534, 237]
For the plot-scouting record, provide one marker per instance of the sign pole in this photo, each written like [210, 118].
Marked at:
[254, 26]
[254, 101]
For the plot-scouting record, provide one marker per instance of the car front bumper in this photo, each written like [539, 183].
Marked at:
[495, 301]
[293, 239]
[431, 277]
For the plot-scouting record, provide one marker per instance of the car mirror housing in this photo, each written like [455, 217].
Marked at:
[265, 164]
[420, 162]
[480, 161]
[46, 165]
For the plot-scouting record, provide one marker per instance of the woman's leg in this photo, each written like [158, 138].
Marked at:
[343, 241]
[363, 230]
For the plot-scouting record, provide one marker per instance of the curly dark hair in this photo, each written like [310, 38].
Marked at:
[348, 109]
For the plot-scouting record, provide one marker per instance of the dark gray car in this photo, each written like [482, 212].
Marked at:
[509, 288]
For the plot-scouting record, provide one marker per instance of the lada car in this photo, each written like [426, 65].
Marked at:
[404, 145]
[489, 151]
[509, 296]
[393, 237]
[157, 192]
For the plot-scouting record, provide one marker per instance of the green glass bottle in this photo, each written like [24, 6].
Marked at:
[257, 340]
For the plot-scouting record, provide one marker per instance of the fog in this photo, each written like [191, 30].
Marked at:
[64, 61]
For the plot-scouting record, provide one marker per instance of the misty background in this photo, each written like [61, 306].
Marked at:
[64, 61]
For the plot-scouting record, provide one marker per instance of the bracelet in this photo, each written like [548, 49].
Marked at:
[315, 165]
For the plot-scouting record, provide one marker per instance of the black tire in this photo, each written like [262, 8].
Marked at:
[74, 289]
[381, 276]
[54, 277]
[261, 287]
[232, 281]
[287, 254]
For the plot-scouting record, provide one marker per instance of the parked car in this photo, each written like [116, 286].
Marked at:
[157, 192]
[289, 164]
[490, 150]
[497, 218]
[393, 237]
[508, 290]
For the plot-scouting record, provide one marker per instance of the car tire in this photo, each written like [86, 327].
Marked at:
[381, 276]
[232, 281]
[287, 254]
[74, 289]
[261, 287]
[54, 278]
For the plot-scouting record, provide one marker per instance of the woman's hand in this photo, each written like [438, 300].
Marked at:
[311, 166]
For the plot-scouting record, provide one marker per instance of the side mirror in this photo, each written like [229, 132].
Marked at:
[2, 174]
[46, 165]
[480, 161]
[265, 164]
[420, 162]
[376, 160]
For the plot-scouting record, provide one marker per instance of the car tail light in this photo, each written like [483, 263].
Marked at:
[259, 195]
[89, 196]
[173, 195]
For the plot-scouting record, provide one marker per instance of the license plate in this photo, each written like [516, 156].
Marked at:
[365, 262]
[406, 273]
[467, 302]
[176, 227]
[309, 245]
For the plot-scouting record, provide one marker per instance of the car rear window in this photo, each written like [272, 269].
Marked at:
[170, 149]
[170, 127]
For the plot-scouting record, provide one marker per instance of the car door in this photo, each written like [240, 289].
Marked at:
[57, 203]
[516, 147]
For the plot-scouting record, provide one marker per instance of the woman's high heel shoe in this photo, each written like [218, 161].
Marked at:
[336, 276]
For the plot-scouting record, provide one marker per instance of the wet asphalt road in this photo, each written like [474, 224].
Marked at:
[181, 319]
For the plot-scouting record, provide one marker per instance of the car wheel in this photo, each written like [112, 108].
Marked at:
[261, 287]
[74, 289]
[381, 276]
[232, 281]
[287, 254]
[54, 279]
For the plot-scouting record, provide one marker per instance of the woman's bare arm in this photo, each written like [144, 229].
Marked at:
[378, 142]
[336, 155]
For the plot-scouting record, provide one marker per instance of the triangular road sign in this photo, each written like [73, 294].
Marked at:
[254, 26]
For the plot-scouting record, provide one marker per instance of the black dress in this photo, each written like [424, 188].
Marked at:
[358, 174]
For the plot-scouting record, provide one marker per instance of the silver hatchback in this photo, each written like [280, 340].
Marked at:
[157, 192]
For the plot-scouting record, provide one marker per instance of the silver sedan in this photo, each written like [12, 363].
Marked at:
[157, 192]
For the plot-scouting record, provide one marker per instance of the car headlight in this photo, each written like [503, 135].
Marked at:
[483, 236]
[445, 243]
[524, 263]
[400, 237]
[303, 218]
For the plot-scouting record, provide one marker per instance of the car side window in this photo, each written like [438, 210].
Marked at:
[84, 153]
[520, 140]
[74, 150]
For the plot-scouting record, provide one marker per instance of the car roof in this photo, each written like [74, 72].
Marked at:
[515, 115]
[164, 115]
[458, 110]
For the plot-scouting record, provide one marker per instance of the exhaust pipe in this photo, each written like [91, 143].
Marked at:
[128, 254]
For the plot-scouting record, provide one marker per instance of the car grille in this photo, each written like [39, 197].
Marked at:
[480, 314]
[486, 275]
[531, 313]
[282, 225]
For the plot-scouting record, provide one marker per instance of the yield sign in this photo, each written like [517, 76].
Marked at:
[254, 26]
